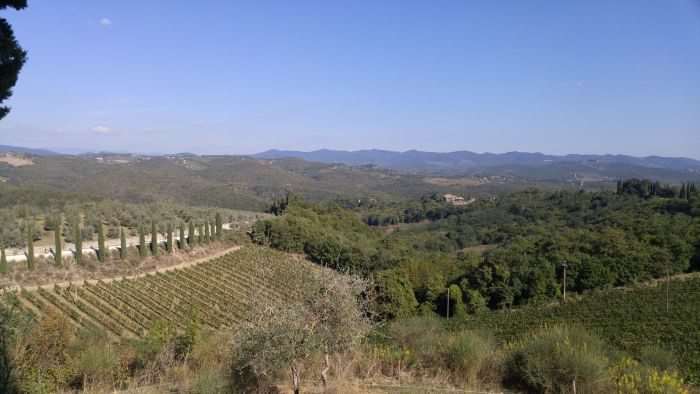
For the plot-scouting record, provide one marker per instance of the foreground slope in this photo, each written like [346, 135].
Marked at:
[217, 293]
[629, 319]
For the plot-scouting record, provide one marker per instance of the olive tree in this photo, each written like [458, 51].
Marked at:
[326, 315]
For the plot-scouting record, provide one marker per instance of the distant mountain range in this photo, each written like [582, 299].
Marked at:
[470, 162]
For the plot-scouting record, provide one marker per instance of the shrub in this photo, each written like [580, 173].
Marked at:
[629, 377]
[555, 359]
[419, 335]
[395, 294]
[658, 358]
[427, 344]
[470, 356]
[209, 381]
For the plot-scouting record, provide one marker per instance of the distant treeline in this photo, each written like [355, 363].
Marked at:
[22, 217]
[645, 188]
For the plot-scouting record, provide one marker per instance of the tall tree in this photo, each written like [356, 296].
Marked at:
[170, 238]
[219, 226]
[12, 56]
[123, 247]
[101, 249]
[58, 251]
[30, 244]
[143, 249]
[3, 260]
[154, 237]
[191, 240]
[200, 235]
[78, 240]
[207, 233]
[183, 242]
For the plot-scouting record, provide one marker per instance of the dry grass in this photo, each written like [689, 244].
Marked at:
[16, 161]
[453, 181]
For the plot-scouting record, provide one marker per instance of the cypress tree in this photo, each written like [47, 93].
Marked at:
[154, 238]
[101, 250]
[123, 247]
[3, 261]
[207, 234]
[200, 236]
[170, 238]
[191, 240]
[183, 242]
[142, 241]
[219, 226]
[58, 251]
[30, 245]
[78, 240]
[682, 193]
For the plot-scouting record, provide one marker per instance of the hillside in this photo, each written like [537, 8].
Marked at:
[534, 166]
[628, 318]
[217, 292]
[225, 181]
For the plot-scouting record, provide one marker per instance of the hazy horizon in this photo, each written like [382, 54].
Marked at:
[232, 78]
[79, 151]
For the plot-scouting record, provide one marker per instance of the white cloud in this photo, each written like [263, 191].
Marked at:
[105, 22]
[102, 129]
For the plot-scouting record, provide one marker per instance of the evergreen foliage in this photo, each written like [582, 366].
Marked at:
[183, 240]
[12, 56]
[3, 261]
[219, 231]
[123, 248]
[143, 248]
[170, 238]
[30, 243]
[58, 242]
[78, 240]
[501, 252]
[154, 238]
[191, 239]
[101, 249]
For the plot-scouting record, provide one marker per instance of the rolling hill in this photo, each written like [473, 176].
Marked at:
[238, 182]
[532, 165]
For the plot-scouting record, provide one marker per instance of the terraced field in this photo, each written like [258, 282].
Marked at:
[218, 292]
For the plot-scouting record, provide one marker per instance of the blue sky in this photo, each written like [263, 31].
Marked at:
[240, 77]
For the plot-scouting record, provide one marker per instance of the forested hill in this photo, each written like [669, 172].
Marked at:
[224, 181]
[537, 165]
[606, 239]
[238, 182]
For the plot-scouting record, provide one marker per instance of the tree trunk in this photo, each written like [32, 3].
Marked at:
[295, 378]
[324, 371]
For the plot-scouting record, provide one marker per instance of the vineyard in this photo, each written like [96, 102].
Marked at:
[217, 292]
[629, 319]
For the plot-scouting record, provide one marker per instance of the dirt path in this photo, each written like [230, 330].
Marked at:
[182, 265]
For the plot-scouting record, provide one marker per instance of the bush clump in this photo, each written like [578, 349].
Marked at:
[558, 359]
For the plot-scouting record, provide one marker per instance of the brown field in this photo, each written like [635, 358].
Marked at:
[15, 161]
[453, 181]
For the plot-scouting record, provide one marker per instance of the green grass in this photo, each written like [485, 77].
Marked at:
[629, 319]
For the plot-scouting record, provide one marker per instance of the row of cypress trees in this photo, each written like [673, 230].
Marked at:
[198, 234]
